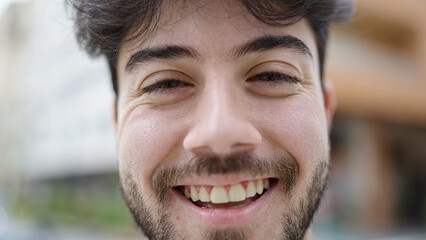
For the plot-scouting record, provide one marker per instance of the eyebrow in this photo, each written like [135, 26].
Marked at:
[166, 52]
[266, 43]
[261, 44]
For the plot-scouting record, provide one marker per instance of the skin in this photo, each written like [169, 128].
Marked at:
[219, 111]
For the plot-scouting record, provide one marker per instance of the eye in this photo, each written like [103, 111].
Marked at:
[273, 84]
[165, 85]
[274, 78]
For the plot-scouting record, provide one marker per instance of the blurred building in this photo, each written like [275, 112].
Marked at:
[55, 100]
[378, 65]
[57, 145]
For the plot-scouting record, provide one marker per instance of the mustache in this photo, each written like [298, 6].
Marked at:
[283, 167]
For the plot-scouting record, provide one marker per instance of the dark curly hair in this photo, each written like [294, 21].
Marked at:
[103, 26]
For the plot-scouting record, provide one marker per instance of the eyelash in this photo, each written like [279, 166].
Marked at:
[270, 77]
[164, 85]
[274, 77]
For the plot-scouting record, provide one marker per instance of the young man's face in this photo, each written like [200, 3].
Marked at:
[213, 105]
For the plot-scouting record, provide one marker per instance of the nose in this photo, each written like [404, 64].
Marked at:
[221, 125]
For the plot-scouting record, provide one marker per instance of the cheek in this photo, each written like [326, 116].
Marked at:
[298, 126]
[146, 139]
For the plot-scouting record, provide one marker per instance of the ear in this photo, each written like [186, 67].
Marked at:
[330, 101]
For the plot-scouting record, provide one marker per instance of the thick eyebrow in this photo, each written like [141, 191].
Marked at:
[261, 44]
[266, 43]
[166, 52]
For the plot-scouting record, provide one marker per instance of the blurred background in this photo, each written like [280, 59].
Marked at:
[58, 166]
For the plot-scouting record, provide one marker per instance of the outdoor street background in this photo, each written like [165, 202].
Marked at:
[58, 165]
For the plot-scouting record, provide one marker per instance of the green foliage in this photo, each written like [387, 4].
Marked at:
[93, 202]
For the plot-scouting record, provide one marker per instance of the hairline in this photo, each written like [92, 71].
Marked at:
[142, 35]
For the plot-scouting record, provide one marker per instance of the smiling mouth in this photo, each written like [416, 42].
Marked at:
[228, 196]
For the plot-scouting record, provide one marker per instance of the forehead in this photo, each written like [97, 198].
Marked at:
[213, 28]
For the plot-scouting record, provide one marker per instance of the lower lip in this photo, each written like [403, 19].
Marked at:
[225, 217]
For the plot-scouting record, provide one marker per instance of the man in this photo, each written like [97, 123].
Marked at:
[222, 112]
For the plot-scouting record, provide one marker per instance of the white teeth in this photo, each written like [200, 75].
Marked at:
[250, 190]
[194, 194]
[204, 195]
[237, 193]
[218, 195]
[259, 186]
[186, 192]
[266, 184]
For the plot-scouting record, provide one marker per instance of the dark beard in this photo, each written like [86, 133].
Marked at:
[153, 228]
[299, 218]
[295, 222]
